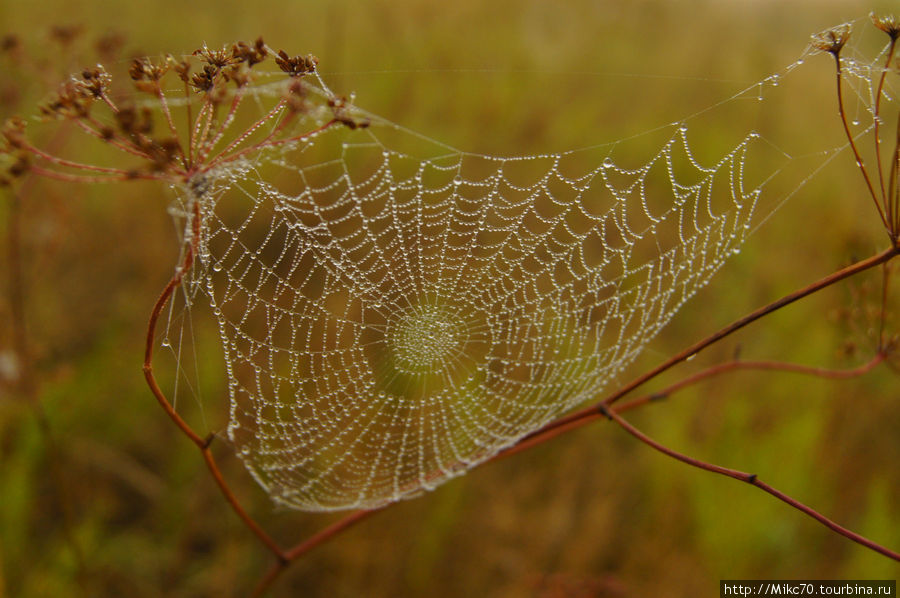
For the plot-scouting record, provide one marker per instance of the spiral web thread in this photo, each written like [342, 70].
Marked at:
[391, 318]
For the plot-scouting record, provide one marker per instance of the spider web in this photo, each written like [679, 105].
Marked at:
[393, 311]
[388, 321]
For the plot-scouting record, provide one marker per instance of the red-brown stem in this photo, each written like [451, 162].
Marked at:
[226, 122]
[116, 141]
[236, 506]
[69, 163]
[190, 120]
[300, 549]
[82, 178]
[171, 123]
[196, 127]
[753, 480]
[109, 102]
[201, 443]
[574, 420]
[894, 188]
[256, 147]
[250, 130]
[170, 287]
[587, 416]
[207, 126]
[859, 160]
[820, 284]
[884, 71]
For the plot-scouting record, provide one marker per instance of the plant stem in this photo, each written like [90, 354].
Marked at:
[753, 480]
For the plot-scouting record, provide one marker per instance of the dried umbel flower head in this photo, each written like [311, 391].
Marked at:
[888, 23]
[831, 40]
[94, 81]
[296, 66]
[181, 138]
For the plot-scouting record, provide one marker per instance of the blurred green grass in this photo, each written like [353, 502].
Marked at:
[591, 514]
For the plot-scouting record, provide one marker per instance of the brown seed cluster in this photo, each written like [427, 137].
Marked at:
[173, 140]
[831, 40]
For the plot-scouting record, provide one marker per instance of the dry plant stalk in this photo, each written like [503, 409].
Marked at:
[215, 85]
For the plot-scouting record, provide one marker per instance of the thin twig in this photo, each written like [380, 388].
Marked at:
[201, 443]
[877, 132]
[859, 161]
[752, 479]
[587, 416]
[299, 550]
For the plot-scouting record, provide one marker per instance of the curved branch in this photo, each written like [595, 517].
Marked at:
[752, 479]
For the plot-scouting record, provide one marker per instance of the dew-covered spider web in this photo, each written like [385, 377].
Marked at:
[391, 317]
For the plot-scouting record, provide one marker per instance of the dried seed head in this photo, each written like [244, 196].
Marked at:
[72, 100]
[64, 35]
[205, 80]
[888, 23]
[831, 40]
[216, 58]
[133, 122]
[296, 66]
[181, 67]
[250, 54]
[163, 154]
[13, 132]
[94, 82]
[239, 74]
[143, 69]
[343, 113]
[295, 97]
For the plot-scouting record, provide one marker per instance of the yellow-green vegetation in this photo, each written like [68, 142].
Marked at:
[100, 495]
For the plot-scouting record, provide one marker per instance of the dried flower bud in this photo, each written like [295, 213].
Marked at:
[72, 100]
[295, 97]
[131, 122]
[163, 154]
[13, 132]
[296, 66]
[831, 40]
[343, 113]
[250, 54]
[239, 74]
[889, 24]
[94, 82]
[20, 166]
[65, 34]
[216, 58]
[205, 79]
[142, 69]
[182, 68]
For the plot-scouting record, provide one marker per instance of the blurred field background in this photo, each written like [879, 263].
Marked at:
[114, 501]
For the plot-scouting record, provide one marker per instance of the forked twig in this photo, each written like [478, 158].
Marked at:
[753, 480]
